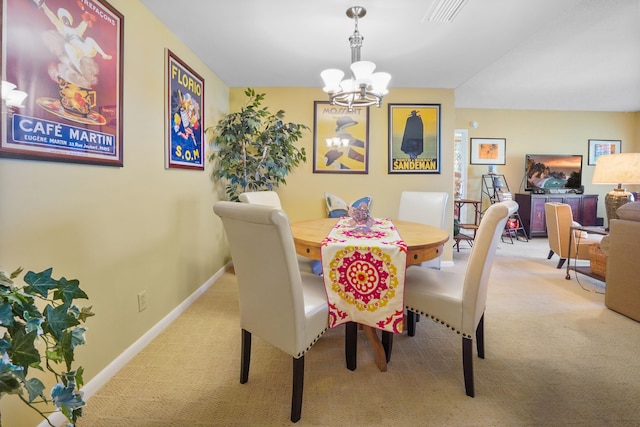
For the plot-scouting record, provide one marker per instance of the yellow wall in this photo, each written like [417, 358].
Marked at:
[142, 227]
[119, 230]
[547, 132]
[302, 197]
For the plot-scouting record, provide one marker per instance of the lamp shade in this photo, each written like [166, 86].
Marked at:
[332, 78]
[362, 71]
[380, 81]
[623, 168]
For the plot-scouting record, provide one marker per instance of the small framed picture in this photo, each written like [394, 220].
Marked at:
[488, 151]
[598, 147]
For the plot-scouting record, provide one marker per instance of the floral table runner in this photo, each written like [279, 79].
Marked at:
[364, 269]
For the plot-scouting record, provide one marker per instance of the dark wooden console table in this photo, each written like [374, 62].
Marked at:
[583, 206]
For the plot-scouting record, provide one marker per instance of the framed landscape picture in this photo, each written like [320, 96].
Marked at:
[64, 60]
[488, 151]
[414, 138]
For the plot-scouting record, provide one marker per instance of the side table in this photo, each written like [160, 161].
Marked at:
[473, 227]
[583, 270]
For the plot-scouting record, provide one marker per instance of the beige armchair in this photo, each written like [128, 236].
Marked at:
[559, 221]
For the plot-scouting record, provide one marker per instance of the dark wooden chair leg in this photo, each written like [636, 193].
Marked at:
[561, 262]
[550, 254]
[387, 343]
[351, 344]
[411, 323]
[246, 356]
[298, 386]
[480, 338]
[467, 365]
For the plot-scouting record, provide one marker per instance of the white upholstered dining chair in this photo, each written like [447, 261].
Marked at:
[268, 198]
[425, 207]
[271, 198]
[278, 303]
[458, 299]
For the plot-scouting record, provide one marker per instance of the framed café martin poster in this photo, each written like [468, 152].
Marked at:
[62, 81]
[185, 97]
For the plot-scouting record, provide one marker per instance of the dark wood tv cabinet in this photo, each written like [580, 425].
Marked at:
[583, 206]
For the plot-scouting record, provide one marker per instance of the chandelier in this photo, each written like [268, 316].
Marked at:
[364, 88]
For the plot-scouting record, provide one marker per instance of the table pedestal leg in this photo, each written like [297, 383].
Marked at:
[376, 345]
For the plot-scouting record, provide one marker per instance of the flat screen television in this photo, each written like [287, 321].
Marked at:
[553, 172]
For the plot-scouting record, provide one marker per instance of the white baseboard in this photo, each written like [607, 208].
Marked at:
[97, 382]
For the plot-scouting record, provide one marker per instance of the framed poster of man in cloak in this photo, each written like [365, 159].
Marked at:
[340, 139]
[185, 99]
[414, 138]
[62, 81]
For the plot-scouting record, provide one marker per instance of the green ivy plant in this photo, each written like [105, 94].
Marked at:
[254, 149]
[42, 339]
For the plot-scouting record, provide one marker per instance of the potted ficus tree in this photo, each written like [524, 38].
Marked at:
[41, 327]
[254, 149]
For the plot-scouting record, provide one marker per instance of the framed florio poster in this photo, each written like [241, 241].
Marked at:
[185, 98]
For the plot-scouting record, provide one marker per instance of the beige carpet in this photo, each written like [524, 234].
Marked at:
[554, 356]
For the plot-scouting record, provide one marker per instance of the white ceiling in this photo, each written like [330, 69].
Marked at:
[581, 55]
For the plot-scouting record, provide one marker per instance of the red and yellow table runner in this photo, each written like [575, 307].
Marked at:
[364, 269]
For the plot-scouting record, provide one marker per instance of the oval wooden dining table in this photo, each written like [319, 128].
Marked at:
[424, 242]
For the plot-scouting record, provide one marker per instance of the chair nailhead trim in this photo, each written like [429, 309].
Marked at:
[302, 353]
[435, 319]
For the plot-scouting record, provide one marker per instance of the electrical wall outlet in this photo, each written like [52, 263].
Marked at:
[142, 301]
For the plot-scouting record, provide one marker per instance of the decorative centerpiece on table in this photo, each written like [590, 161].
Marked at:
[360, 217]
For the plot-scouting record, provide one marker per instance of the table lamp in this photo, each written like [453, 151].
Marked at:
[623, 168]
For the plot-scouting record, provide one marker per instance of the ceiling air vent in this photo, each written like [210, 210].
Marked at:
[444, 10]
